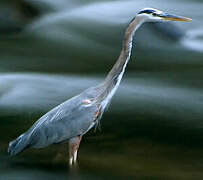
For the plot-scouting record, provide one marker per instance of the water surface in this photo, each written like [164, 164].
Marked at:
[153, 128]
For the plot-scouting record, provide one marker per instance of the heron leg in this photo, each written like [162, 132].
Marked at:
[74, 144]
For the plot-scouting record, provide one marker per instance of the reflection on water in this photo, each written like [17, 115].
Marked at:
[153, 128]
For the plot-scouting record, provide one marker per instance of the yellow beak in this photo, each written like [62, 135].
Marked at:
[169, 17]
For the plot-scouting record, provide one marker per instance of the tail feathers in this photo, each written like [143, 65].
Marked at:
[17, 145]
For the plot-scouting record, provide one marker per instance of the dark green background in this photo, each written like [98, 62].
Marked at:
[52, 50]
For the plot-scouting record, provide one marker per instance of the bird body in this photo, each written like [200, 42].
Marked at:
[70, 120]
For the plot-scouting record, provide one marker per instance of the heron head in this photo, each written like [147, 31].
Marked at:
[154, 15]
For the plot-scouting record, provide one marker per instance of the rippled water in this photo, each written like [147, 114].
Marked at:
[153, 128]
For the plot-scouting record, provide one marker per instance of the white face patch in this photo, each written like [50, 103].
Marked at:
[149, 14]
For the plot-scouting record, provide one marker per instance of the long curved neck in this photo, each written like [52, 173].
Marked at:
[115, 75]
[120, 65]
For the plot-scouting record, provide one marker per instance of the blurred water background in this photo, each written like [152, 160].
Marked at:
[51, 50]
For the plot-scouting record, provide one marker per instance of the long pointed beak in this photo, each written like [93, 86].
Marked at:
[169, 17]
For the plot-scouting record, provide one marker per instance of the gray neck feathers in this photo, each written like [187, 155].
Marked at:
[112, 81]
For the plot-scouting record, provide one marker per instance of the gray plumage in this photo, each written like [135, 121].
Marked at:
[72, 119]
[67, 120]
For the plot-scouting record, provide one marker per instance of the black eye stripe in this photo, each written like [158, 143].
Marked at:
[154, 14]
[147, 11]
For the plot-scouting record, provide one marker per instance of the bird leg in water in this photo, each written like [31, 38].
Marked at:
[74, 144]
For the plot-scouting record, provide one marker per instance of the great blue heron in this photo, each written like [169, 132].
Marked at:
[69, 121]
